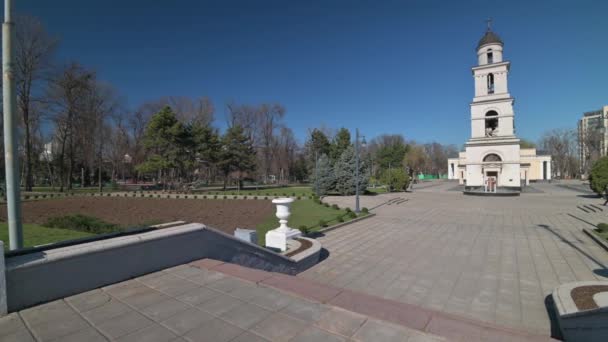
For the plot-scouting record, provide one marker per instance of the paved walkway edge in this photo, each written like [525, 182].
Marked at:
[450, 326]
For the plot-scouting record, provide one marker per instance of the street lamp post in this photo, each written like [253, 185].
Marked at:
[357, 210]
[11, 156]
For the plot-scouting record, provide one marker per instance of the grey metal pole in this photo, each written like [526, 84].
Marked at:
[357, 171]
[11, 156]
[317, 173]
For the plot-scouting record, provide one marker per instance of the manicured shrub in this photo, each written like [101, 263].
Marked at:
[598, 177]
[340, 218]
[214, 196]
[275, 194]
[245, 197]
[335, 206]
[255, 197]
[225, 197]
[365, 210]
[265, 197]
[232, 193]
[322, 223]
[150, 195]
[326, 205]
[204, 196]
[298, 198]
[352, 214]
[293, 194]
[347, 209]
[235, 196]
[602, 227]
[303, 229]
[82, 223]
[284, 195]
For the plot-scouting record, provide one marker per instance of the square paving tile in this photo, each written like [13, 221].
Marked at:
[88, 300]
[313, 334]
[58, 327]
[147, 298]
[279, 327]
[126, 289]
[271, 299]
[228, 284]
[10, 324]
[246, 315]
[198, 295]
[124, 324]
[152, 333]
[249, 337]
[214, 330]
[341, 322]
[206, 277]
[164, 309]
[220, 304]
[187, 320]
[85, 335]
[46, 312]
[305, 310]
[374, 330]
[19, 336]
[111, 309]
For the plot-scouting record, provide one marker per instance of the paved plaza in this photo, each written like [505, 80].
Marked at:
[490, 259]
[191, 303]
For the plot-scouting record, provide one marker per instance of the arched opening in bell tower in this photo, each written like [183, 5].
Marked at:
[491, 123]
[490, 56]
[490, 83]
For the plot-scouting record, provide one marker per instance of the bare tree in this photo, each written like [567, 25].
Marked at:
[561, 145]
[67, 94]
[34, 49]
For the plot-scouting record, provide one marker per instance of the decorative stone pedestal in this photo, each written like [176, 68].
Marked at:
[277, 238]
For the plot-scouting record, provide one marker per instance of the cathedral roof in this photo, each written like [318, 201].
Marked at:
[489, 38]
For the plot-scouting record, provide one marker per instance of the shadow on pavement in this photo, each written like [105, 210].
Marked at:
[566, 241]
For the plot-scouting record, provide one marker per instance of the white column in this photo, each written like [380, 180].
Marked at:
[549, 170]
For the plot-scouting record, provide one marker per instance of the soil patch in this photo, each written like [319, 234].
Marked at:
[304, 245]
[225, 215]
[583, 296]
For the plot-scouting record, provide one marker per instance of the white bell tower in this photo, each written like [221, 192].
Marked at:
[493, 150]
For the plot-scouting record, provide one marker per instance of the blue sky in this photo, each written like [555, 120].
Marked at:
[382, 66]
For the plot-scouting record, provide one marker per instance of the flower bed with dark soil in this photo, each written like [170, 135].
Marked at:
[225, 215]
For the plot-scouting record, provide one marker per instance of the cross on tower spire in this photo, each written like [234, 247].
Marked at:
[489, 22]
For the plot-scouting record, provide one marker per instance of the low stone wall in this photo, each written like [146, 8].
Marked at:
[580, 325]
[47, 275]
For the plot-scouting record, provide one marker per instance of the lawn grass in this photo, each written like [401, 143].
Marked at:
[303, 213]
[34, 235]
[377, 190]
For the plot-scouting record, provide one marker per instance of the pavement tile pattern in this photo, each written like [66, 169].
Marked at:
[490, 259]
[192, 303]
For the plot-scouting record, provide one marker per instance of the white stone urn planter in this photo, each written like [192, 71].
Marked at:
[277, 238]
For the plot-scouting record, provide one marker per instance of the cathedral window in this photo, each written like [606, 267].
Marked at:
[490, 83]
[492, 157]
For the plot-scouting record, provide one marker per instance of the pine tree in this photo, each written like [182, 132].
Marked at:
[345, 172]
[339, 144]
[166, 141]
[323, 179]
[237, 154]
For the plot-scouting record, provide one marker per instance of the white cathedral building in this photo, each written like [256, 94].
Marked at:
[493, 159]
